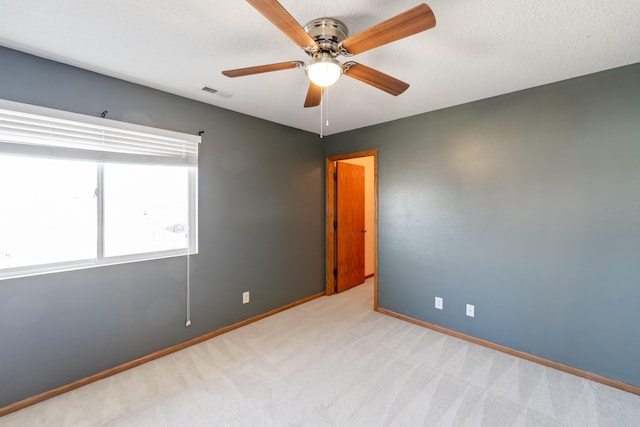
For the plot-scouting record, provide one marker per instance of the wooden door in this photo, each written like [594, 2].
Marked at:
[350, 225]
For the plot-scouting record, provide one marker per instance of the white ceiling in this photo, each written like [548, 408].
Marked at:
[478, 49]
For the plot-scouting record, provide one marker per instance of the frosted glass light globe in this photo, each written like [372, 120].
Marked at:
[324, 70]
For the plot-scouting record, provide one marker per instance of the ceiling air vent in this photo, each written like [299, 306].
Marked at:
[216, 92]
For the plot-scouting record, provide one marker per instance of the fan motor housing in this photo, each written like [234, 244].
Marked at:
[328, 33]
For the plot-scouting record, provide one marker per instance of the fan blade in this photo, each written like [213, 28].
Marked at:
[314, 95]
[263, 69]
[376, 78]
[408, 23]
[278, 15]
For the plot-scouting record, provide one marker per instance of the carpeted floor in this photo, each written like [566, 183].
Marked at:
[335, 362]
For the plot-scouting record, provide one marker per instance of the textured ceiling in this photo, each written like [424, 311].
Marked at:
[478, 49]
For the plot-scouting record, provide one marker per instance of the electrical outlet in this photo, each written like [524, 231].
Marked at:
[439, 303]
[245, 297]
[471, 310]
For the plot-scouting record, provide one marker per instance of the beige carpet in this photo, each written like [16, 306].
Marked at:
[335, 362]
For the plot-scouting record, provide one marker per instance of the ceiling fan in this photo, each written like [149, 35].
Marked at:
[324, 39]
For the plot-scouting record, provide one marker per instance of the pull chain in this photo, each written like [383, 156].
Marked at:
[324, 123]
[321, 113]
[327, 123]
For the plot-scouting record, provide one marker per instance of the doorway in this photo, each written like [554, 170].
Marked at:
[332, 216]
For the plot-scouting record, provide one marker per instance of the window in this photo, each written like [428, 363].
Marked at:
[78, 191]
[145, 208]
[49, 211]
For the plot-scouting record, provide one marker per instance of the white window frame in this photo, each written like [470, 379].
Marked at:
[29, 130]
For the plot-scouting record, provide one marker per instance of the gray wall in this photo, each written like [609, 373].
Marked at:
[526, 205]
[261, 208]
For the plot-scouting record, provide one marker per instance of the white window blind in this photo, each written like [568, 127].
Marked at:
[38, 131]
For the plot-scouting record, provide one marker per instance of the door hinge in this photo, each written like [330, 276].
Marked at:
[335, 273]
[335, 176]
[335, 225]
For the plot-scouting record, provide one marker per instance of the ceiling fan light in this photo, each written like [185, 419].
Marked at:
[324, 70]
